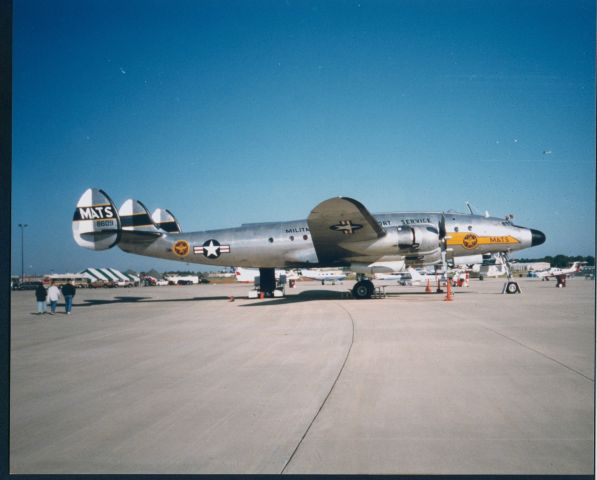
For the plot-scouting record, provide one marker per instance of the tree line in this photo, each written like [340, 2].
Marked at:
[560, 261]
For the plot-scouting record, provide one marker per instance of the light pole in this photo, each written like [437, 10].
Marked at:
[22, 225]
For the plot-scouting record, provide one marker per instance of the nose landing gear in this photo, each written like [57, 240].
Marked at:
[510, 286]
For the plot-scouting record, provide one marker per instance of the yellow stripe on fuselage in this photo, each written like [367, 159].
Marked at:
[470, 240]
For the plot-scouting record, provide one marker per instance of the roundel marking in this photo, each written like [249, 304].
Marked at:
[181, 248]
[211, 249]
[470, 240]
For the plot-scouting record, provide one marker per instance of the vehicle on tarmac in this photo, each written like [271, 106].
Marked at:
[27, 285]
[338, 232]
[102, 284]
[59, 279]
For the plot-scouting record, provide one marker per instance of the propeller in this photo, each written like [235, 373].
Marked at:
[442, 241]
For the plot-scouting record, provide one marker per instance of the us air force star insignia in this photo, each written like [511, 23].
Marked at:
[346, 226]
[470, 241]
[181, 248]
[212, 249]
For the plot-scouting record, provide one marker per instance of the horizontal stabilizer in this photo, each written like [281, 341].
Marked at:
[96, 225]
[165, 220]
[134, 217]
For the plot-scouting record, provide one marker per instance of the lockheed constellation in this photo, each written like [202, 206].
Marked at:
[339, 232]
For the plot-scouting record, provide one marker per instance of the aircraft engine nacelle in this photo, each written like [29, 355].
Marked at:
[425, 246]
[403, 240]
[425, 238]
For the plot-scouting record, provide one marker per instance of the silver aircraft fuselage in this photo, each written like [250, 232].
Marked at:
[290, 244]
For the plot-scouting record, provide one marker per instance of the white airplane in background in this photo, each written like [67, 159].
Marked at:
[410, 277]
[553, 272]
[323, 276]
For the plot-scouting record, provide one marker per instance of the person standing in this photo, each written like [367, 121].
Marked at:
[53, 297]
[40, 296]
[68, 291]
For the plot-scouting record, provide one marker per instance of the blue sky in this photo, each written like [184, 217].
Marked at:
[231, 112]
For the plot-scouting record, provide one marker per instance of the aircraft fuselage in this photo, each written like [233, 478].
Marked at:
[289, 244]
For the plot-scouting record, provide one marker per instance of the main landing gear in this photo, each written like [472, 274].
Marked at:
[266, 285]
[363, 288]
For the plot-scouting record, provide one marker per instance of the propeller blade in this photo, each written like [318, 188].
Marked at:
[442, 230]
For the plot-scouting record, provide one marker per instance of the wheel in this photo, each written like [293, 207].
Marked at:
[512, 287]
[363, 289]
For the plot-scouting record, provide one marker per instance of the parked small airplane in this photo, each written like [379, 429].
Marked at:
[553, 272]
[410, 277]
[339, 232]
[323, 276]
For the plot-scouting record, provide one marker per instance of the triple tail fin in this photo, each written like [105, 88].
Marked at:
[98, 225]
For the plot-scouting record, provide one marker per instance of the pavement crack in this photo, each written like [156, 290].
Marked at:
[540, 353]
[328, 394]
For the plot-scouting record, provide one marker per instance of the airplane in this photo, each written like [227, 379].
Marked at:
[410, 277]
[553, 272]
[324, 275]
[339, 232]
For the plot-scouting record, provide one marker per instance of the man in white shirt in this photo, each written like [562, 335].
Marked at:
[54, 295]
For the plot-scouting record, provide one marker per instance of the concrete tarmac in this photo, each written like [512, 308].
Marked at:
[182, 380]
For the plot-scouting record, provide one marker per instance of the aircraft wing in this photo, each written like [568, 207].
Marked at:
[340, 220]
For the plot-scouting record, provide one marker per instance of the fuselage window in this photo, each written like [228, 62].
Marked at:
[456, 229]
[270, 240]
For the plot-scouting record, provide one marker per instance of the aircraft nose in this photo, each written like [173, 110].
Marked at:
[537, 237]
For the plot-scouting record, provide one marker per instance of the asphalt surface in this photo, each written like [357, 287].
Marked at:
[183, 380]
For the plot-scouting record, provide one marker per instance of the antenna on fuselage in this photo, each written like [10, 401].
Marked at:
[469, 208]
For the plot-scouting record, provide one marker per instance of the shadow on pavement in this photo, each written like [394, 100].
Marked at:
[94, 302]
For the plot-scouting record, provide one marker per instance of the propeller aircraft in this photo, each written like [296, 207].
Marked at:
[338, 232]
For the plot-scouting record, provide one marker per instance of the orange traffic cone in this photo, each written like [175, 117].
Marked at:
[449, 293]
[428, 287]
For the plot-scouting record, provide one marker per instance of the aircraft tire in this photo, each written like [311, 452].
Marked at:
[512, 287]
[363, 289]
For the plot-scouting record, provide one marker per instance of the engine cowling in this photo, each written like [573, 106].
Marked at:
[426, 238]
[403, 240]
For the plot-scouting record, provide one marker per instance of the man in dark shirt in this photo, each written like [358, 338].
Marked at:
[68, 291]
[40, 295]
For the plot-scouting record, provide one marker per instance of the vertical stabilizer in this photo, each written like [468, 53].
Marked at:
[96, 225]
[134, 217]
[165, 220]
